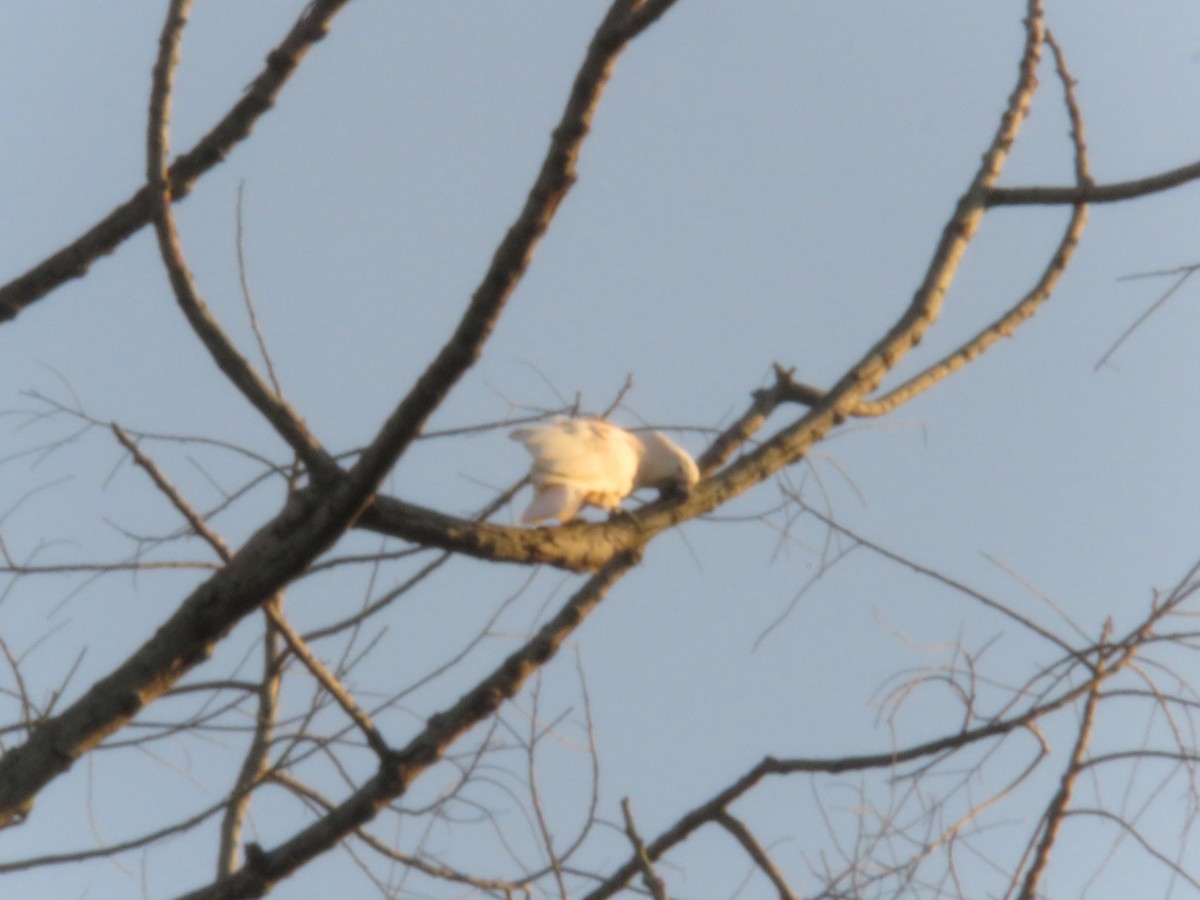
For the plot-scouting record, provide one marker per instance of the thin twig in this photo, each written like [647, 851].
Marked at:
[655, 885]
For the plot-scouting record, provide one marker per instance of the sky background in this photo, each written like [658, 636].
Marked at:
[765, 183]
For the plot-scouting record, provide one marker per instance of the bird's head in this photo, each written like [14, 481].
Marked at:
[665, 465]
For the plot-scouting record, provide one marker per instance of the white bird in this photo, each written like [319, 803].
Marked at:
[591, 462]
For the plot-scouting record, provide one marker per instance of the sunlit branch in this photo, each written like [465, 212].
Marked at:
[1006, 325]
[839, 402]
[1053, 818]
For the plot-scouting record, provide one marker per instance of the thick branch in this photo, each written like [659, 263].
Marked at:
[840, 401]
[310, 522]
[584, 547]
[513, 256]
[577, 547]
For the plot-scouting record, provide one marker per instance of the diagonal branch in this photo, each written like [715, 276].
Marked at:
[271, 608]
[586, 547]
[401, 768]
[1056, 813]
[73, 260]
[327, 679]
[839, 403]
[512, 257]
[310, 522]
[185, 509]
[655, 886]
[743, 836]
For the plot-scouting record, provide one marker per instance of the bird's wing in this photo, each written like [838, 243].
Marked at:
[587, 453]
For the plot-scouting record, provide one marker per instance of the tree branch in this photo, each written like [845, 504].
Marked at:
[402, 767]
[310, 522]
[513, 255]
[1099, 193]
[73, 260]
[743, 836]
[237, 369]
[1007, 324]
[1055, 814]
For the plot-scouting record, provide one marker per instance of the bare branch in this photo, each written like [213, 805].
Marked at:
[1100, 193]
[1182, 275]
[1006, 325]
[273, 407]
[247, 300]
[654, 884]
[196, 521]
[1053, 818]
[403, 766]
[515, 252]
[73, 260]
[256, 762]
[840, 401]
[743, 836]
[113, 849]
[326, 678]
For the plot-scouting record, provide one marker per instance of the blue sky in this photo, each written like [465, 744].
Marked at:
[765, 182]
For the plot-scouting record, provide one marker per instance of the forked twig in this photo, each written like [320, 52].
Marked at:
[237, 369]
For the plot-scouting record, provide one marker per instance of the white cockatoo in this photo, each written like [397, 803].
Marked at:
[591, 462]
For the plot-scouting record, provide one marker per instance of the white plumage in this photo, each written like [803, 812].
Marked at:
[591, 462]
